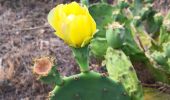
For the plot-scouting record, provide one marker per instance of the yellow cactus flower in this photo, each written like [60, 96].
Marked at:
[72, 23]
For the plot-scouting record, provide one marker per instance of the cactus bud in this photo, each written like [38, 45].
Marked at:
[114, 35]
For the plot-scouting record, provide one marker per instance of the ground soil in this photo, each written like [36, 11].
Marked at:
[26, 35]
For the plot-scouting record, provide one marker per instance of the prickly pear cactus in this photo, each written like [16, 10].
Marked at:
[101, 16]
[159, 63]
[158, 53]
[161, 58]
[121, 70]
[89, 86]
[122, 83]
[115, 35]
[117, 13]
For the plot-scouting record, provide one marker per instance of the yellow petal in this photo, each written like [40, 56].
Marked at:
[74, 8]
[80, 29]
[55, 18]
[72, 23]
[91, 20]
[93, 25]
[65, 28]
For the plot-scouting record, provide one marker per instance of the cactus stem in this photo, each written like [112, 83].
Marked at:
[82, 58]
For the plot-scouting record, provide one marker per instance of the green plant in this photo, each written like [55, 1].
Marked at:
[121, 70]
[88, 85]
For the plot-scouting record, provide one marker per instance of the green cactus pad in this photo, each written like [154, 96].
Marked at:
[114, 37]
[89, 86]
[159, 57]
[102, 14]
[159, 72]
[121, 70]
[130, 47]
